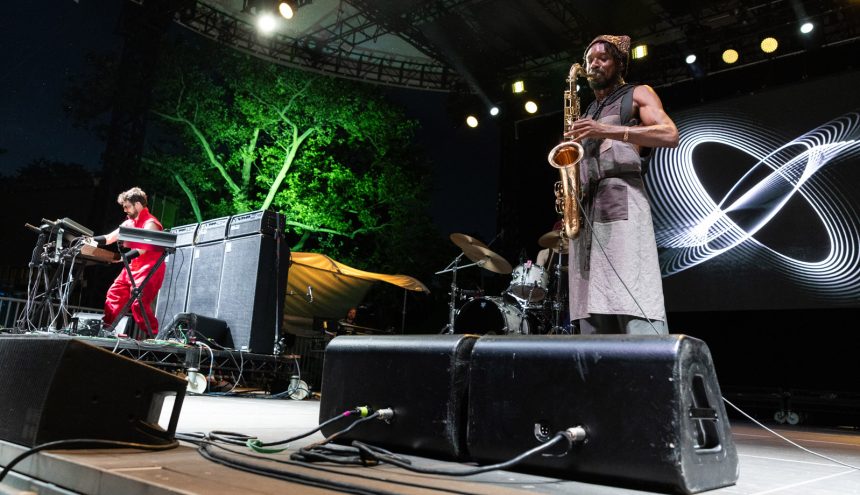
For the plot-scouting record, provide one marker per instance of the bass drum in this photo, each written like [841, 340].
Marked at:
[491, 315]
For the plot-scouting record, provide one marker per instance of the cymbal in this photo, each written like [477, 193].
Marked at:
[555, 240]
[491, 261]
[464, 241]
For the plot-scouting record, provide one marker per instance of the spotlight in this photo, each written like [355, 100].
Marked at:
[518, 86]
[807, 27]
[691, 59]
[494, 111]
[640, 51]
[472, 121]
[769, 45]
[266, 23]
[531, 107]
[286, 9]
[730, 56]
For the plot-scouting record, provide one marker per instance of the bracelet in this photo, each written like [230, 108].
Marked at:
[626, 134]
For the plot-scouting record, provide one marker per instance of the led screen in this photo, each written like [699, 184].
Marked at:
[759, 205]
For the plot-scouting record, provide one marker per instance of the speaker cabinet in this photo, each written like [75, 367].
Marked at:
[204, 281]
[651, 407]
[253, 286]
[174, 291]
[212, 230]
[256, 222]
[59, 388]
[422, 378]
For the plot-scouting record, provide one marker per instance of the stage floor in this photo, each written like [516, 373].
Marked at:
[767, 464]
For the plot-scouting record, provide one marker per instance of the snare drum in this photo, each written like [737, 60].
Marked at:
[491, 315]
[529, 282]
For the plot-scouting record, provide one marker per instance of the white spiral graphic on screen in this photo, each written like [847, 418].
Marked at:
[691, 228]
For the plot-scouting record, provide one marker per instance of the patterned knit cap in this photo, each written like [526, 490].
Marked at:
[622, 43]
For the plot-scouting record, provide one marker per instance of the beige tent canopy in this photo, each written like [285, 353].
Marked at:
[334, 286]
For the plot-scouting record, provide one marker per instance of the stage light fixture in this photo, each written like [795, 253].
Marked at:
[286, 9]
[640, 51]
[730, 56]
[494, 111]
[267, 23]
[531, 107]
[472, 121]
[769, 45]
[518, 86]
[691, 59]
[807, 27]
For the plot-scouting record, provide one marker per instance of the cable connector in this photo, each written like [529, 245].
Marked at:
[574, 434]
[385, 414]
[362, 411]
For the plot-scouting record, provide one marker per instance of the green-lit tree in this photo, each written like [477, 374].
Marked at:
[331, 154]
[232, 133]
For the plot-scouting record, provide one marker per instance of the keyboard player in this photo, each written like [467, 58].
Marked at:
[141, 257]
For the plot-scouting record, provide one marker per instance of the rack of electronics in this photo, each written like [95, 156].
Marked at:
[226, 281]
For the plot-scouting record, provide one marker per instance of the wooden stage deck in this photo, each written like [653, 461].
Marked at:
[768, 465]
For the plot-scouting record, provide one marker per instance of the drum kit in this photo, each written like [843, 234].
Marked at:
[527, 306]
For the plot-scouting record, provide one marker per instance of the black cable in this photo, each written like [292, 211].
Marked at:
[319, 468]
[368, 452]
[349, 428]
[83, 443]
[322, 425]
[205, 451]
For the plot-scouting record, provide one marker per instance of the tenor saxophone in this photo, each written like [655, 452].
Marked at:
[566, 157]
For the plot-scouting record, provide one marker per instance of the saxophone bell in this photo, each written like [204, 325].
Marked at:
[565, 154]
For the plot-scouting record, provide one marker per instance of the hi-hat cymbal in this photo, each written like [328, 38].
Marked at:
[555, 240]
[464, 241]
[488, 259]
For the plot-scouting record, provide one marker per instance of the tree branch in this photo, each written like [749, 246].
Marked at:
[191, 198]
[288, 161]
[206, 148]
[324, 230]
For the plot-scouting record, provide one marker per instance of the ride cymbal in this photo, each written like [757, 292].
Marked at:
[555, 240]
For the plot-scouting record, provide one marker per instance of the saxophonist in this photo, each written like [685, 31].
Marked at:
[614, 274]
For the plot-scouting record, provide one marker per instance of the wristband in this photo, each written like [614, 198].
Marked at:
[130, 255]
[100, 239]
[626, 134]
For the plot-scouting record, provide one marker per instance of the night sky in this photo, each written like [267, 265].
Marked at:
[47, 42]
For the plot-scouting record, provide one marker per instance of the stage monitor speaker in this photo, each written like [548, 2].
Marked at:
[173, 294]
[200, 328]
[60, 388]
[650, 405]
[253, 286]
[422, 378]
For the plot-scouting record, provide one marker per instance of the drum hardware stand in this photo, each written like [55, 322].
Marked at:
[452, 306]
[557, 307]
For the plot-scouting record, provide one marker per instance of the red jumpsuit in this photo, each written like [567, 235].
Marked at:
[120, 291]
